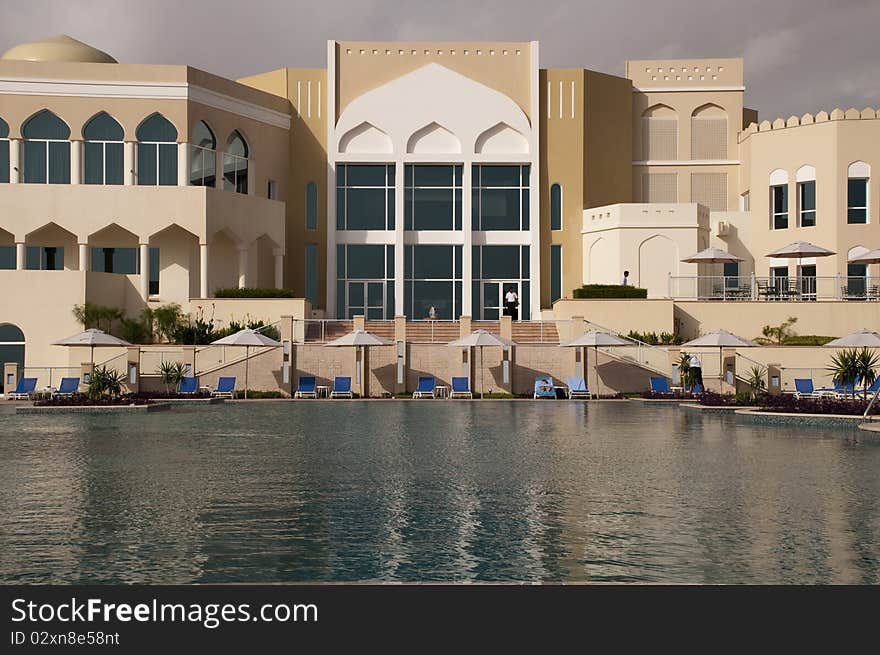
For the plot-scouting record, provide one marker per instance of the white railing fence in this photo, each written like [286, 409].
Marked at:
[779, 288]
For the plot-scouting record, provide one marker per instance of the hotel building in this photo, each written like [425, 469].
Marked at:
[406, 177]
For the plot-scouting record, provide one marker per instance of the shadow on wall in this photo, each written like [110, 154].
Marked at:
[620, 377]
[737, 247]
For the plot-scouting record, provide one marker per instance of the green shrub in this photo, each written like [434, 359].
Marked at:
[654, 339]
[261, 326]
[609, 291]
[807, 340]
[105, 381]
[253, 293]
[171, 373]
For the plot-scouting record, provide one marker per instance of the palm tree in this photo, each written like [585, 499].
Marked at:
[844, 368]
[865, 363]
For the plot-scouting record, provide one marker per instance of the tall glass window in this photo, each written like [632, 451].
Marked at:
[126, 261]
[157, 152]
[4, 151]
[365, 281]
[7, 258]
[203, 156]
[856, 200]
[46, 149]
[44, 258]
[555, 207]
[235, 164]
[555, 272]
[311, 206]
[500, 198]
[432, 197]
[103, 150]
[807, 203]
[432, 278]
[312, 272]
[495, 270]
[856, 280]
[779, 207]
[365, 197]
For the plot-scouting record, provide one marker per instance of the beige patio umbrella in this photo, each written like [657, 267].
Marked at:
[720, 339]
[595, 338]
[712, 256]
[870, 257]
[360, 339]
[800, 249]
[481, 338]
[247, 338]
[93, 338]
[862, 338]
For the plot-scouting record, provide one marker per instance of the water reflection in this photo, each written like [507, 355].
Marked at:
[434, 491]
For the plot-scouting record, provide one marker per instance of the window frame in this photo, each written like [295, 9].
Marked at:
[801, 188]
[866, 208]
[774, 215]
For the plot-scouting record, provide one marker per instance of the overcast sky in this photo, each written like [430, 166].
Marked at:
[801, 55]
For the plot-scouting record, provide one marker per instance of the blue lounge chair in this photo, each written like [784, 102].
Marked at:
[188, 386]
[425, 388]
[577, 388]
[307, 387]
[803, 388]
[544, 388]
[24, 390]
[341, 387]
[660, 385]
[460, 388]
[225, 388]
[68, 387]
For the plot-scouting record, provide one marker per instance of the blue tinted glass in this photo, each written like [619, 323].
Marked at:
[500, 209]
[4, 161]
[366, 262]
[438, 295]
[7, 259]
[35, 162]
[156, 128]
[503, 176]
[433, 209]
[501, 262]
[45, 125]
[4, 129]
[365, 175]
[311, 206]
[433, 176]
[555, 207]
[340, 261]
[555, 273]
[103, 128]
[433, 262]
[365, 209]
[146, 163]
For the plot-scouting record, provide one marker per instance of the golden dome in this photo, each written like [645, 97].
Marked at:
[58, 48]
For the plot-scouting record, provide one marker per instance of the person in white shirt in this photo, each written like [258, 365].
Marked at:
[625, 281]
[697, 367]
[511, 301]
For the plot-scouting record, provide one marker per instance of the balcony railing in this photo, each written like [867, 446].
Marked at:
[791, 289]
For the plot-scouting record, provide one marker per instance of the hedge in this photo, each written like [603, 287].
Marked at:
[253, 293]
[807, 340]
[609, 291]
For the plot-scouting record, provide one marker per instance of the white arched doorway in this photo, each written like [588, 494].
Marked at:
[11, 350]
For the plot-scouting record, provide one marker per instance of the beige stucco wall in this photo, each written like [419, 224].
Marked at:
[620, 315]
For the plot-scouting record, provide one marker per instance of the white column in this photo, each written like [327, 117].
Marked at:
[467, 269]
[182, 164]
[76, 158]
[279, 268]
[203, 270]
[242, 267]
[83, 256]
[128, 163]
[218, 169]
[252, 178]
[398, 240]
[14, 161]
[19, 255]
[145, 271]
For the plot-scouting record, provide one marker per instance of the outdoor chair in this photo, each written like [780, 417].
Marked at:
[341, 387]
[24, 390]
[544, 388]
[577, 388]
[803, 388]
[225, 388]
[188, 386]
[460, 388]
[306, 388]
[425, 388]
[68, 387]
[660, 385]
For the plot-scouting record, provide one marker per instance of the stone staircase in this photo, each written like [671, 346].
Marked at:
[322, 331]
[535, 332]
[432, 331]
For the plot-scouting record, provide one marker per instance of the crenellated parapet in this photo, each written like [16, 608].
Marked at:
[837, 114]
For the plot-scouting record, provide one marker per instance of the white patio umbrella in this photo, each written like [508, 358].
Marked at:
[800, 249]
[862, 338]
[93, 338]
[360, 339]
[712, 256]
[595, 338]
[720, 339]
[247, 338]
[481, 338]
[870, 257]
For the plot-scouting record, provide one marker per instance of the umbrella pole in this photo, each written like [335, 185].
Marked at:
[482, 385]
[596, 367]
[247, 352]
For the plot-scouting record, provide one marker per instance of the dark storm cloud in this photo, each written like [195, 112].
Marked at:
[801, 56]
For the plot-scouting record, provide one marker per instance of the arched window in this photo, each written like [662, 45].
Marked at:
[311, 206]
[709, 133]
[4, 151]
[555, 207]
[858, 177]
[46, 149]
[660, 134]
[203, 156]
[156, 152]
[103, 150]
[235, 164]
[11, 349]
[778, 199]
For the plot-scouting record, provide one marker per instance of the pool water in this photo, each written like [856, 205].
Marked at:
[434, 490]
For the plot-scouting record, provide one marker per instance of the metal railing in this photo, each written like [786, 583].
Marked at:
[646, 355]
[49, 377]
[774, 288]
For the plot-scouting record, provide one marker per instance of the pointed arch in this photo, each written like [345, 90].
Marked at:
[501, 139]
[658, 259]
[858, 183]
[433, 139]
[46, 149]
[365, 138]
[235, 164]
[45, 125]
[103, 127]
[203, 156]
[601, 263]
[102, 150]
[156, 151]
[659, 140]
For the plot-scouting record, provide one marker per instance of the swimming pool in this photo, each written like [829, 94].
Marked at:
[434, 490]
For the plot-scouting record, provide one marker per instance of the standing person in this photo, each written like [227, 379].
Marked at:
[696, 369]
[625, 281]
[511, 301]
